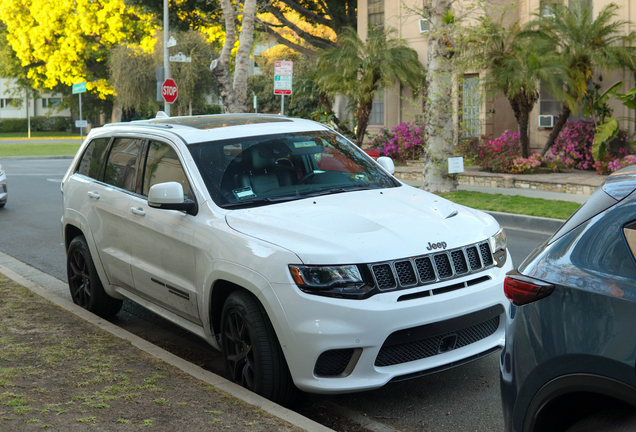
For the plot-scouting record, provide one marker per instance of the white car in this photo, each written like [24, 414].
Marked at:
[3, 188]
[284, 245]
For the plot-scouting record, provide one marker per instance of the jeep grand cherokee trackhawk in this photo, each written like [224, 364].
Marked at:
[282, 244]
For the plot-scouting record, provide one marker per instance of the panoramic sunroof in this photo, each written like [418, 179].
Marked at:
[220, 120]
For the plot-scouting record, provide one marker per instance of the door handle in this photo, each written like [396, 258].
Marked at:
[138, 211]
[93, 195]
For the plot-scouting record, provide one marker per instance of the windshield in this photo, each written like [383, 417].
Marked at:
[261, 170]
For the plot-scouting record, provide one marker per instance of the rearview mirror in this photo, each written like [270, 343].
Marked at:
[169, 196]
[387, 164]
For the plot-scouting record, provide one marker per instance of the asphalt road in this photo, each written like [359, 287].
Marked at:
[462, 399]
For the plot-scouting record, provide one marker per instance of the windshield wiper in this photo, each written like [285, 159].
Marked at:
[259, 201]
[339, 190]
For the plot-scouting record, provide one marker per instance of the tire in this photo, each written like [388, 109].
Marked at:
[86, 288]
[607, 421]
[253, 357]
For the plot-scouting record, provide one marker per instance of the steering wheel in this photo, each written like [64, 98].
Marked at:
[306, 177]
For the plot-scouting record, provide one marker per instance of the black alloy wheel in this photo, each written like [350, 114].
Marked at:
[239, 355]
[86, 288]
[253, 356]
[79, 280]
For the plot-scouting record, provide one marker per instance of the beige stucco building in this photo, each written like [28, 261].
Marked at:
[477, 112]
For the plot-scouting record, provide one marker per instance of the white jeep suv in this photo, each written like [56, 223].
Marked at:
[282, 244]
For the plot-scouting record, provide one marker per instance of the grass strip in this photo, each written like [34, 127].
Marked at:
[514, 204]
[60, 372]
[39, 149]
[49, 135]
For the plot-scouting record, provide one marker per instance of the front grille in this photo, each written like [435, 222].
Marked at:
[405, 273]
[428, 347]
[333, 362]
[433, 267]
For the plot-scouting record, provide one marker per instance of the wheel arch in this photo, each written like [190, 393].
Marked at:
[70, 232]
[568, 399]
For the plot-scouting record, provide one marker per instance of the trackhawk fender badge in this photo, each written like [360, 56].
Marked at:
[433, 246]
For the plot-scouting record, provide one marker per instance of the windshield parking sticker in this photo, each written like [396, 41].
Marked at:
[243, 193]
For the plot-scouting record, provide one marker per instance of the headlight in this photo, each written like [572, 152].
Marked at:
[336, 281]
[498, 244]
[498, 241]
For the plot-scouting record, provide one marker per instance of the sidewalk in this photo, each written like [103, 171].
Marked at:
[575, 186]
[109, 379]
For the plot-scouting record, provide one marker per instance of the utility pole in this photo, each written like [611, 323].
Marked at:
[166, 60]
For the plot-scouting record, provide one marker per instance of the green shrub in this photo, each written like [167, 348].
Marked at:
[38, 123]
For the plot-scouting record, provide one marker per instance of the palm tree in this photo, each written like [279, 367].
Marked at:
[358, 70]
[514, 66]
[584, 44]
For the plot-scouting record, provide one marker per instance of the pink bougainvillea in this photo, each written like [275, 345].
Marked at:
[401, 143]
[498, 155]
[617, 164]
[575, 143]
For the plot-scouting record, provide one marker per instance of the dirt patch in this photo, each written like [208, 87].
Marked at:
[60, 373]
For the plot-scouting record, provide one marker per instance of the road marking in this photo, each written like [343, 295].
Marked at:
[55, 180]
[26, 175]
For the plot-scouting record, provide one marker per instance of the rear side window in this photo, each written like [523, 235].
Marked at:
[92, 162]
[163, 166]
[121, 170]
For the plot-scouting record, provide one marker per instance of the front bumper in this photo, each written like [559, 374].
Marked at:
[4, 193]
[323, 324]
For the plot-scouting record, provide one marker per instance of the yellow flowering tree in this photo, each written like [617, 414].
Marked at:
[68, 41]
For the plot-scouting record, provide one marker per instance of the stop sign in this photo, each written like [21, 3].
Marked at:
[169, 90]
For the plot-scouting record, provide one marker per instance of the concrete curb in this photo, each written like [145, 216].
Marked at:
[221, 383]
[527, 223]
[35, 157]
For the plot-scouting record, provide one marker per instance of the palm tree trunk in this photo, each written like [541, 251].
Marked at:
[326, 103]
[563, 117]
[362, 113]
[439, 106]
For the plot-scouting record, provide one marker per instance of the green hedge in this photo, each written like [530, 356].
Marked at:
[39, 123]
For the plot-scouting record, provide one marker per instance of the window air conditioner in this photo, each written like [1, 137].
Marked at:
[425, 25]
[546, 121]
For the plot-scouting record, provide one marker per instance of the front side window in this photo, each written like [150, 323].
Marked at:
[121, 170]
[268, 169]
[92, 162]
[162, 165]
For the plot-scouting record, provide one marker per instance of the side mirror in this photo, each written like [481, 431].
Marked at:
[169, 196]
[387, 164]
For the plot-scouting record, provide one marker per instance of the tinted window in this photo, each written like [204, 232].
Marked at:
[121, 170]
[92, 162]
[163, 166]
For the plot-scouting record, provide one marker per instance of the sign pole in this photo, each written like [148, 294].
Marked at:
[81, 129]
[282, 104]
[166, 61]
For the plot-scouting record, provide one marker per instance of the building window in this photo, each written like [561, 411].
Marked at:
[10, 103]
[548, 104]
[51, 102]
[546, 6]
[471, 126]
[376, 117]
[376, 13]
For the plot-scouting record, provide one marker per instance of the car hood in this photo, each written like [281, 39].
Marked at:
[364, 226]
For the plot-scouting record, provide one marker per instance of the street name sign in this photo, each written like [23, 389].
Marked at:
[79, 87]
